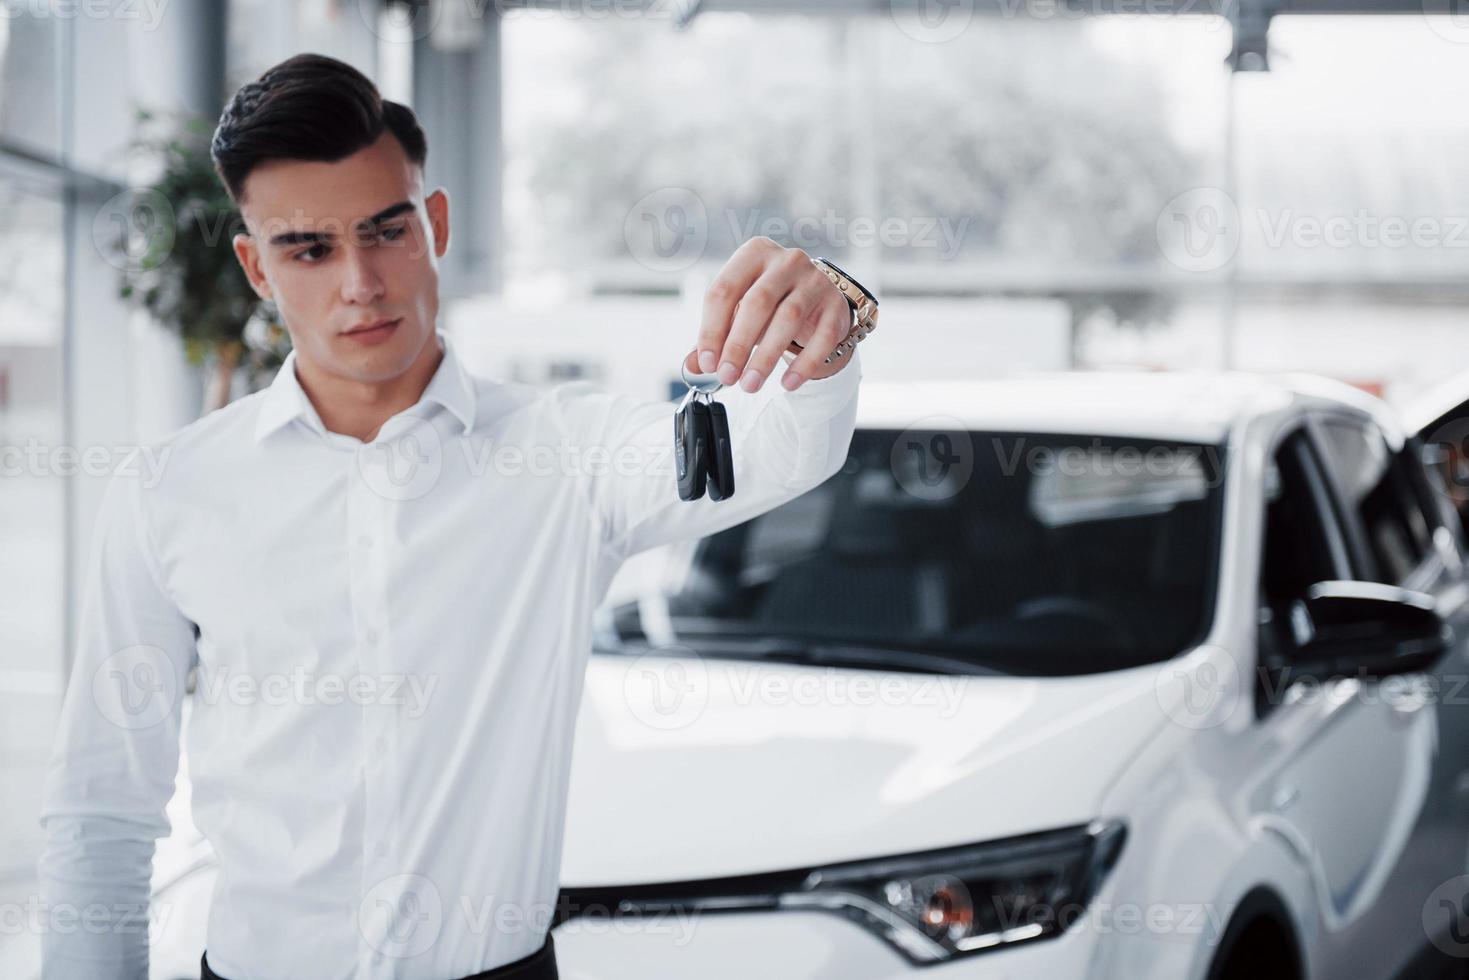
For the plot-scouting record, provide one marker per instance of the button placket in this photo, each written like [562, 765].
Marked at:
[368, 516]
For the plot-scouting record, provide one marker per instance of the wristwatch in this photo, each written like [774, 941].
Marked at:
[862, 303]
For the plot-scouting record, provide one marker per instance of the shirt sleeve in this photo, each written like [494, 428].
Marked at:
[112, 768]
[783, 443]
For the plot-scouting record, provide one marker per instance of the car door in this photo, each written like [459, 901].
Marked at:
[1346, 782]
[1397, 536]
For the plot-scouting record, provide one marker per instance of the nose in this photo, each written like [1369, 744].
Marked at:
[361, 283]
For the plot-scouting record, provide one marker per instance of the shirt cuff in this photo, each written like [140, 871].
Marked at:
[820, 399]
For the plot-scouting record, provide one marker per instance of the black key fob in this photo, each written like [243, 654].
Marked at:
[721, 454]
[691, 448]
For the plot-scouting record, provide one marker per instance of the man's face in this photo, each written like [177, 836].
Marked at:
[339, 245]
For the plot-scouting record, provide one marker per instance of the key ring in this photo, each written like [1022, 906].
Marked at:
[704, 384]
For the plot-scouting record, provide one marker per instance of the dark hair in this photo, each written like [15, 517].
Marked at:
[308, 107]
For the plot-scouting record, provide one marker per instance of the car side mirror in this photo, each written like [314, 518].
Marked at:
[1356, 629]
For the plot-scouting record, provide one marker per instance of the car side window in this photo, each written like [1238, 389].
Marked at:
[1303, 544]
[1298, 549]
[1378, 489]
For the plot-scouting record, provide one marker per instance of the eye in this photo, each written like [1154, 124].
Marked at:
[394, 233]
[301, 256]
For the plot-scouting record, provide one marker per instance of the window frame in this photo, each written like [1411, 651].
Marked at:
[1365, 564]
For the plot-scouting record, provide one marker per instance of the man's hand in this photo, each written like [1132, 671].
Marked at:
[765, 297]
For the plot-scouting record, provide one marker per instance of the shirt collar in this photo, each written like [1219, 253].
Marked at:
[451, 386]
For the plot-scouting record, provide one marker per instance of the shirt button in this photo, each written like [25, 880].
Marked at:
[372, 636]
[364, 542]
[382, 848]
[380, 745]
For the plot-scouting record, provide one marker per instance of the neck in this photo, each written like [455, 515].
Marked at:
[359, 408]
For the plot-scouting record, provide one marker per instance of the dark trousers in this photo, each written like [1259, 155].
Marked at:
[540, 965]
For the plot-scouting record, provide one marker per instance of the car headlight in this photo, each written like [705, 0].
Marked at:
[941, 904]
[931, 906]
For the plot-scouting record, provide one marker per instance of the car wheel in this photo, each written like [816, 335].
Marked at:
[1260, 951]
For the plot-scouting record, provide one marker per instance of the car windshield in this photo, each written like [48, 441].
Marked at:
[1028, 554]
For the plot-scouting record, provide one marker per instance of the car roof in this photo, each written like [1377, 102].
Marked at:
[1439, 404]
[1183, 406]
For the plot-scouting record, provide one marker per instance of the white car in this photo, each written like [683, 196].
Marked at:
[1088, 676]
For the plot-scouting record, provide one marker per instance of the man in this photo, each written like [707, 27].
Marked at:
[382, 570]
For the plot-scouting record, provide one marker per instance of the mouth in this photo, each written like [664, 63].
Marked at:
[376, 328]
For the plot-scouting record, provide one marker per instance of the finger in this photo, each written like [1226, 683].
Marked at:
[800, 312]
[691, 362]
[783, 273]
[757, 306]
[723, 297]
[831, 329]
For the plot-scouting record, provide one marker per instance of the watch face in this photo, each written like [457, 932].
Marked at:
[843, 273]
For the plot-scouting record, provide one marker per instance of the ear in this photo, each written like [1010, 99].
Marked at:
[249, 258]
[437, 205]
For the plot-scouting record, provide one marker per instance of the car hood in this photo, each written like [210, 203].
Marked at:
[689, 768]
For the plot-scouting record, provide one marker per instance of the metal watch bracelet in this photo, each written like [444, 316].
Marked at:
[862, 303]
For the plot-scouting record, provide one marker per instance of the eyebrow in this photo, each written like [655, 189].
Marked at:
[310, 237]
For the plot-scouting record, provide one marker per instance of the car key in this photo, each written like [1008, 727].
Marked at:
[721, 455]
[690, 446]
[701, 440]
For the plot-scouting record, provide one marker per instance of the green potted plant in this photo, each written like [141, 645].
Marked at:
[179, 265]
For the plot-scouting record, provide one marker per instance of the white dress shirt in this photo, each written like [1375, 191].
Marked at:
[391, 638]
